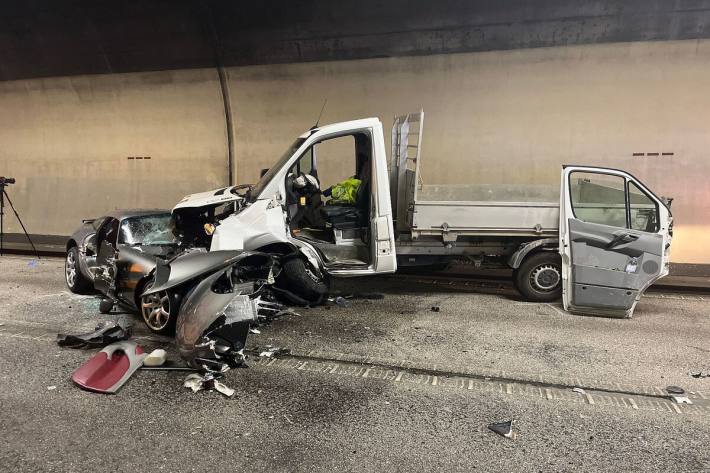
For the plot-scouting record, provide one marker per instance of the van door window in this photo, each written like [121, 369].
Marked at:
[598, 198]
[643, 210]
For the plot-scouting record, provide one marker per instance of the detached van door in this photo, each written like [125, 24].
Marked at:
[614, 240]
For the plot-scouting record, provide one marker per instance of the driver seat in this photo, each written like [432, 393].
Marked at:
[347, 217]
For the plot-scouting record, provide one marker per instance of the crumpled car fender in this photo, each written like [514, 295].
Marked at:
[212, 325]
[190, 266]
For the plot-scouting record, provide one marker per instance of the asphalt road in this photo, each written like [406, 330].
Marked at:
[380, 385]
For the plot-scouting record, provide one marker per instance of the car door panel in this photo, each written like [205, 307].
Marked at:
[105, 271]
[606, 268]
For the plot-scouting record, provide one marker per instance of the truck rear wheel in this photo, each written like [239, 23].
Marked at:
[539, 277]
[298, 278]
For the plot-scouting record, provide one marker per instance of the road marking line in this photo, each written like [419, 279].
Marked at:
[399, 376]
[509, 388]
[633, 403]
[589, 397]
[677, 408]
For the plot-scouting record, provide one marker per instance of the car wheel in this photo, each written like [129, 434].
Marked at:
[76, 281]
[539, 278]
[160, 310]
[298, 278]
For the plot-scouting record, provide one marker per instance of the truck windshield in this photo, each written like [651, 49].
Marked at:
[266, 178]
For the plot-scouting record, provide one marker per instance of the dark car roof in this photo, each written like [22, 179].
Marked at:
[125, 213]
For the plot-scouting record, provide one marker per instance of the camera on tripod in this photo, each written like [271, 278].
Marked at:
[4, 182]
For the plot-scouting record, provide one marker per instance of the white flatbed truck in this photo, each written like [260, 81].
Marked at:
[599, 244]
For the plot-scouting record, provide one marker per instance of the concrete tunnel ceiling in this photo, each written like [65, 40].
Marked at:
[42, 38]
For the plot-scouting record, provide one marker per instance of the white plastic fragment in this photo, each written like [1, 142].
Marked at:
[579, 390]
[197, 382]
[504, 429]
[156, 358]
[194, 382]
[51, 388]
[221, 388]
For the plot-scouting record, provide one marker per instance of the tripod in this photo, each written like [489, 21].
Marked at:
[3, 196]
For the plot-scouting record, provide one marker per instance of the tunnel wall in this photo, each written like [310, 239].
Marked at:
[72, 144]
[512, 117]
[505, 117]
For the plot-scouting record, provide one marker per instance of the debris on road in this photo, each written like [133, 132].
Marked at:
[207, 382]
[339, 301]
[435, 308]
[51, 388]
[156, 358]
[504, 429]
[675, 390]
[699, 374]
[105, 333]
[269, 310]
[271, 352]
[255, 331]
[579, 390]
[110, 368]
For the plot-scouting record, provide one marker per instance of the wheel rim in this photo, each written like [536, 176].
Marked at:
[545, 278]
[70, 269]
[156, 309]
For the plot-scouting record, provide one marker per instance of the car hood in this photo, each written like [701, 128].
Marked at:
[213, 197]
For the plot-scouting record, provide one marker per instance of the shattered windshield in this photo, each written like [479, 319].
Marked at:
[266, 178]
[146, 230]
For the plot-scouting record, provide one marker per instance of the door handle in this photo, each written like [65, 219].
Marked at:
[622, 238]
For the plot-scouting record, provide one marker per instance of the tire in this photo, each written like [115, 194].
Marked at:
[296, 277]
[76, 282]
[515, 280]
[539, 277]
[159, 310]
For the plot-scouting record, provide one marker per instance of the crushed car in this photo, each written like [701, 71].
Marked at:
[134, 259]
[116, 255]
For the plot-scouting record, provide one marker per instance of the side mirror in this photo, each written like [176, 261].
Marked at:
[263, 171]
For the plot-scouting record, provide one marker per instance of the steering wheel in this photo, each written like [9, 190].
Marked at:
[306, 184]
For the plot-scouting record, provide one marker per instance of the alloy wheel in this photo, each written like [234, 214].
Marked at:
[155, 309]
[70, 269]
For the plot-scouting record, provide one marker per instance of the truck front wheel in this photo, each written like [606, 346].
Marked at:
[539, 277]
[298, 278]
